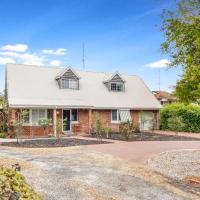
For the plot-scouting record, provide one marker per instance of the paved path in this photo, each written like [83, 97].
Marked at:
[185, 134]
[140, 152]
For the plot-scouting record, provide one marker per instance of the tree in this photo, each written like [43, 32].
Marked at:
[17, 124]
[3, 114]
[181, 29]
[98, 126]
[59, 126]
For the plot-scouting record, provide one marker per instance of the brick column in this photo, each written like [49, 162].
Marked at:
[158, 119]
[90, 121]
[54, 121]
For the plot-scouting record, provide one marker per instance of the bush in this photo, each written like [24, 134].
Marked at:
[189, 114]
[126, 128]
[98, 129]
[3, 135]
[14, 186]
[107, 131]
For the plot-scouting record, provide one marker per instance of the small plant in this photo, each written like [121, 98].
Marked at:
[108, 131]
[136, 128]
[153, 123]
[98, 126]
[143, 120]
[44, 123]
[59, 126]
[126, 128]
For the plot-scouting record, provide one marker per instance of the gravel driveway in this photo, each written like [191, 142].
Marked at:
[77, 173]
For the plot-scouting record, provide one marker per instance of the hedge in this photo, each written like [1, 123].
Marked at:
[190, 115]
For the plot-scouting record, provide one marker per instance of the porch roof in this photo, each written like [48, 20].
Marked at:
[35, 86]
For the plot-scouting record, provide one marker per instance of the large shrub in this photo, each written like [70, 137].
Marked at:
[189, 114]
[13, 186]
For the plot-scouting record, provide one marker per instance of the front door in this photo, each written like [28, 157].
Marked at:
[66, 121]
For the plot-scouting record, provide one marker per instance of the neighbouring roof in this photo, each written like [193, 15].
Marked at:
[164, 95]
[36, 86]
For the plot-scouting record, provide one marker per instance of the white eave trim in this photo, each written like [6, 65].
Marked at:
[82, 107]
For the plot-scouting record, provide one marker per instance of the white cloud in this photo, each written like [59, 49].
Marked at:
[25, 58]
[159, 64]
[18, 53]
[4, 60]
[16, 47]
[57, 52]
[55, 63]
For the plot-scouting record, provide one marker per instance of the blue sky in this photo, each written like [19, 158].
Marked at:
[122, 35]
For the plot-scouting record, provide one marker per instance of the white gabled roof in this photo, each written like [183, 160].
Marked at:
[35, 86]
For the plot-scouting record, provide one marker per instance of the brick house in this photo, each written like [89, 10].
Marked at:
[73, 96]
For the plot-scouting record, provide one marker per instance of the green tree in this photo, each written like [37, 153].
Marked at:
[3, 113]
[181, 28]
[98, 126]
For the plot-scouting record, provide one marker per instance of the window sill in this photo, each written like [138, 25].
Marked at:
[75, 122]
[115, 122]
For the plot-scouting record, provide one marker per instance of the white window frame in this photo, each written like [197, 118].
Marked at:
[117, 84]
[118, 117]
[72, 83]
[30, 117]
[74, 122]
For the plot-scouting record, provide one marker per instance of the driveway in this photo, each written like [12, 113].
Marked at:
[140, 152]
[82, 173]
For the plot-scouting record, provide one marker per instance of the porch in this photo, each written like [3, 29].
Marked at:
[74, 121]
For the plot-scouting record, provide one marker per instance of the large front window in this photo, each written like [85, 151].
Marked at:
[69, 83]
[33, 116]
[115, 117]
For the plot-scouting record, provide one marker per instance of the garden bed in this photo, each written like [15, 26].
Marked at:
[63, 142]
[150, 137]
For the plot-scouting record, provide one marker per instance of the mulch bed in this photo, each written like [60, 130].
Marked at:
[63, 142]
[151, 137]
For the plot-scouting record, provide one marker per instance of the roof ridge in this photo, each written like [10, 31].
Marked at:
[64, 67]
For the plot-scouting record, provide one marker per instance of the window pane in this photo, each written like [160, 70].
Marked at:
[74, 115]
[114, 115]
[116, 86]
[41, 114]
[113, 86]
[38, 114]
[69, 83]
[26, 116]
[34, 116]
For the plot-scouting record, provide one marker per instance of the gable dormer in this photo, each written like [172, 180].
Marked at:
[68, 79]
[115, 83]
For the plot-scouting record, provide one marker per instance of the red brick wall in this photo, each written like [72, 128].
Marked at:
[83, 122]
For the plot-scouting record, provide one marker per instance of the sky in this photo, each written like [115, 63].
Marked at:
[119, 35]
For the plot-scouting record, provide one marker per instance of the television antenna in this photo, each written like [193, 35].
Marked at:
[83, 55]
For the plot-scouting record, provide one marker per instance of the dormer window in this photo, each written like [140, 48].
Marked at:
[68, 79]
[69, 83]
[116, 87]
[115, 83]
